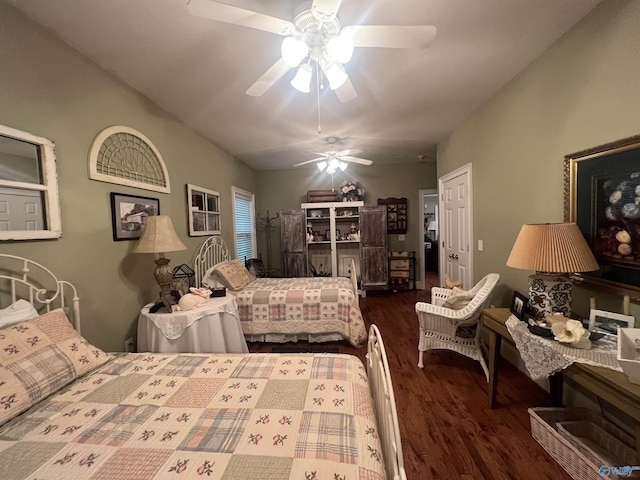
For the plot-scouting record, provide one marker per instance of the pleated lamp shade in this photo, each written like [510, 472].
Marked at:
[553, 250]
[552, 247]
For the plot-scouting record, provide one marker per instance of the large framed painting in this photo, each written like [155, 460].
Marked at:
[602, 196]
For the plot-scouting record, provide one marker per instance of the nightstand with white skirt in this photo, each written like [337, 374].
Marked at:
[212, 328]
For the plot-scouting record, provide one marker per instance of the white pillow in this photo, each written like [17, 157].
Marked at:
[19, 311]
[210, 279]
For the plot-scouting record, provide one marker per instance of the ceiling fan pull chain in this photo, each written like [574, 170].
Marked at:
[318, 96]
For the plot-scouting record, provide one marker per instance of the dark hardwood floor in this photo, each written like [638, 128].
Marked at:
[447, 428]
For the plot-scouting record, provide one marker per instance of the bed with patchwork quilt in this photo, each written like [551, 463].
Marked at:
[284, 309]
[72, 411]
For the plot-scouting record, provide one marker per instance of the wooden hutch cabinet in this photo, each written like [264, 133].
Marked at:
[334, 243]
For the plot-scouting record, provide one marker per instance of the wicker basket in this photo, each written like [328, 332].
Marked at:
[596, 444]
[563, 451]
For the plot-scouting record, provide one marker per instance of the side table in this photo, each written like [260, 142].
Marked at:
[609, 385]
[212, 328]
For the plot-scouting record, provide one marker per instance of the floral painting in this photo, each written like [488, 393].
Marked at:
[602, 196]
[618, 218]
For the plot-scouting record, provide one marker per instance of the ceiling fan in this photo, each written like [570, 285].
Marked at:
[314, 40]
[333, 160]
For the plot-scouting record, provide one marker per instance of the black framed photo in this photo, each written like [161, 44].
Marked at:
[519, 304]
[602, 196]
[129, 213]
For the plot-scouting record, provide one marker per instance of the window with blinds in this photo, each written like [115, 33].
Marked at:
[244, 224]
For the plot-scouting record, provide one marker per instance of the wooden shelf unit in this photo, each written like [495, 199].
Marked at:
[402, 271]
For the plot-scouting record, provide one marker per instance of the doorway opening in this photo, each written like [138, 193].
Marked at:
[429, 239]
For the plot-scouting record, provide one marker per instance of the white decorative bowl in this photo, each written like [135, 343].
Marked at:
[629, 353]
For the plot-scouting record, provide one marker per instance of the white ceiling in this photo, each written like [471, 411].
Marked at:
[408, 100]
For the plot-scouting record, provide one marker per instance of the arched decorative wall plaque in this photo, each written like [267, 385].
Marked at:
[124, 156]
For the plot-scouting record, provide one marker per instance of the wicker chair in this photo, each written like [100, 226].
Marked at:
[444, 328]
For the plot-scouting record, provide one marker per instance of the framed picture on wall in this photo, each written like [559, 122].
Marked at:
[129, 214]
[601, 192]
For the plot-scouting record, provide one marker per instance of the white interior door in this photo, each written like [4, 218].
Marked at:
[456, 257]
[20, 210]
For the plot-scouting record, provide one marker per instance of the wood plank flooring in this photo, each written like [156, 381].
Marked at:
[447, 428]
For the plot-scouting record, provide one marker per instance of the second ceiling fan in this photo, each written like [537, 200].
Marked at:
[333, 160]
[315, 42]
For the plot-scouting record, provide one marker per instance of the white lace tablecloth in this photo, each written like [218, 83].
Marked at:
[544, 356]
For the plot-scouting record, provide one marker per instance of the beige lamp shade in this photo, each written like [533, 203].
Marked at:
[159, 236]
[552, 247]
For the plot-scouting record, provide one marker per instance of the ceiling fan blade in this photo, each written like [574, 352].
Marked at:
[239, 16]
[393, 36]
[346, 92]
[309, 161]
[325, 10]
[361, 161]
[353, 151]
[268, 78]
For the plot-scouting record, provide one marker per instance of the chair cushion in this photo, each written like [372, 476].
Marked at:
[458, 299]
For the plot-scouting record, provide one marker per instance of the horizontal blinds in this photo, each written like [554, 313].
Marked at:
[245, 228]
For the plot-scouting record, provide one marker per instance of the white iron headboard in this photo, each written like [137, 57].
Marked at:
[211, 252]
[21, 278]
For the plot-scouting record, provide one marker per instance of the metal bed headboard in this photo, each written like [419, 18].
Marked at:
[21, 278]
[211, 252]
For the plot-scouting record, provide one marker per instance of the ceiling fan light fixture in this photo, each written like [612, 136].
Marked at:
[293, 51]
[322, 165]
[343, 166]
[334, 72]
[302, 80]
[340, 48]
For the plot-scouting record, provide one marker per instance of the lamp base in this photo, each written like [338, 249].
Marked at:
[164, 275]
[549, 294]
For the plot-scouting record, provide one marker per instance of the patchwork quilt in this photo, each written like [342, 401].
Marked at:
[306, 305]
[158, 416]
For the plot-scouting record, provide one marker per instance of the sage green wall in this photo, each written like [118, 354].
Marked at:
[582, 92]
[287, 189]
[52, 91]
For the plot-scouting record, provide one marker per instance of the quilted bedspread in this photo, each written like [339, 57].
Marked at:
[307, 305]
[158, 416]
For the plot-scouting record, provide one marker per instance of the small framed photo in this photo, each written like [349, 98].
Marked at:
[609, 322]
[519, 305]
[129, 213]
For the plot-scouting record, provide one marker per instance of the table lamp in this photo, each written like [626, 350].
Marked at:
[159, 237]
[553, 250]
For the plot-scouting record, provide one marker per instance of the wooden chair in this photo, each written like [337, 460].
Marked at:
[445, 328]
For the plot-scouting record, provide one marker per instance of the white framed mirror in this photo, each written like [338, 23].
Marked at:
[29, 201]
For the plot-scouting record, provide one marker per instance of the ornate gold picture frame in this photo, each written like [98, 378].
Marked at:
[602, 196]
